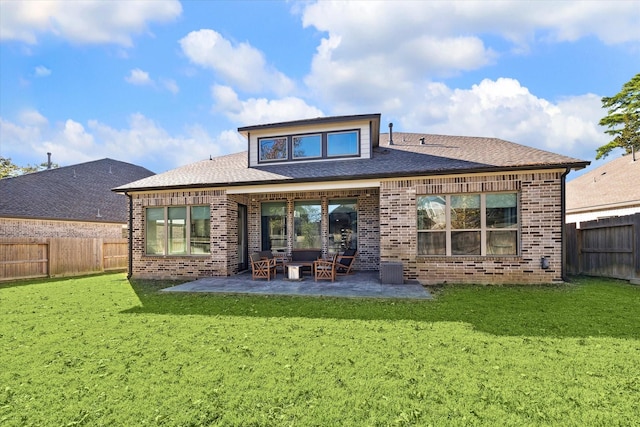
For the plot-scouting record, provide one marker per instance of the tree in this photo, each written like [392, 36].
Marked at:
[37, 168]
[622, 119]
[8, 169]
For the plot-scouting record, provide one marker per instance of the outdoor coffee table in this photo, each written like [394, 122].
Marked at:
[299, 266]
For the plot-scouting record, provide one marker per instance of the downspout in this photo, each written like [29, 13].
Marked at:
[130, 267]
[563, 182]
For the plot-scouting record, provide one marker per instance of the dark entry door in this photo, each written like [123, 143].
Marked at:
[243, 241]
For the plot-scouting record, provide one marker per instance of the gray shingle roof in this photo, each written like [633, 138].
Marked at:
[614, 183]
[439, 155]
[74, 192]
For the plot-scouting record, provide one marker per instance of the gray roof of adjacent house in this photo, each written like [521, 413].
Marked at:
[614, 184]
[406, 157]
[79, 192]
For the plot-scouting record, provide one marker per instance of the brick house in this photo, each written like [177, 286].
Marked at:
[71, 201]
[449, 208]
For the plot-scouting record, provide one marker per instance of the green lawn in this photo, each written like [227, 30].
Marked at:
[103, 351]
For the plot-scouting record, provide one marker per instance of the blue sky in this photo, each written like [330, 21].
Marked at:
[165, 83]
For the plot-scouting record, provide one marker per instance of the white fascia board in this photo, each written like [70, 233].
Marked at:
[305, 186]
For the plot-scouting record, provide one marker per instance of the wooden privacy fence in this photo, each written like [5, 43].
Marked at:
[22, 258]
[608, 247]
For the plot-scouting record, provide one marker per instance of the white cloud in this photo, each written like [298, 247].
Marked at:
[15, 138]
[376, 50]
[238, 64]
[32, 118]
[505, 109]
[87, 21]
[613, 21]
[170, 85]
[42, 71]
[142, 142]
[260, 110]
[138, 77]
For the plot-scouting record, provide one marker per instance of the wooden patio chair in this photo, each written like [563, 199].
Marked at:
[280, 258]
[262, 268]
[325, 269]
[344, 263]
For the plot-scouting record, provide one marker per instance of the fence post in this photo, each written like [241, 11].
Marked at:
[579, 250]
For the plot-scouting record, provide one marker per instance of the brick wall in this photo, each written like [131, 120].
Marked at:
[14, 227]
[540, 222]
[172, 266]
[223, 260]
[386, 230]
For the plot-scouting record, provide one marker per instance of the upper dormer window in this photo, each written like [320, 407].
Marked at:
[273, 149]
[313, 140]
[309, 146]
[342, 143]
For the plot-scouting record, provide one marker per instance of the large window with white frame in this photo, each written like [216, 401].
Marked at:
[178, 230]
[468, 224]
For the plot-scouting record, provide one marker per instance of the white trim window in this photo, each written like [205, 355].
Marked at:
[468, 224]
[178, 230]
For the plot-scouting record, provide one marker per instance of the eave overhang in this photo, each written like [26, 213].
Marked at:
[363, 177]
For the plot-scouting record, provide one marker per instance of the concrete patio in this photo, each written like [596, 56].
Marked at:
[364, 284]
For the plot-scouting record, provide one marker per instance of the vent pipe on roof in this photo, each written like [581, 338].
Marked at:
[48, 160]
[110, 171]
[390, 133]
[422, 141]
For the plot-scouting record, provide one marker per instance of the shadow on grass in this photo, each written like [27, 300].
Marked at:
[588, 307]
[47, 280]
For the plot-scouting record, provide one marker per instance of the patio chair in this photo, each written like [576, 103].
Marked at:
[325, 269]
[280, 258]
[262, 268]
[344, 263]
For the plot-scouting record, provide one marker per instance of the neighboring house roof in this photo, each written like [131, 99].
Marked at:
[74, 192]
[613, 185]
[406, 157]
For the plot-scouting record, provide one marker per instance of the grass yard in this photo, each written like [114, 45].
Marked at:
[103, 351]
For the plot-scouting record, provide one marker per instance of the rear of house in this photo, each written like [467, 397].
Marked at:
[447, 208]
